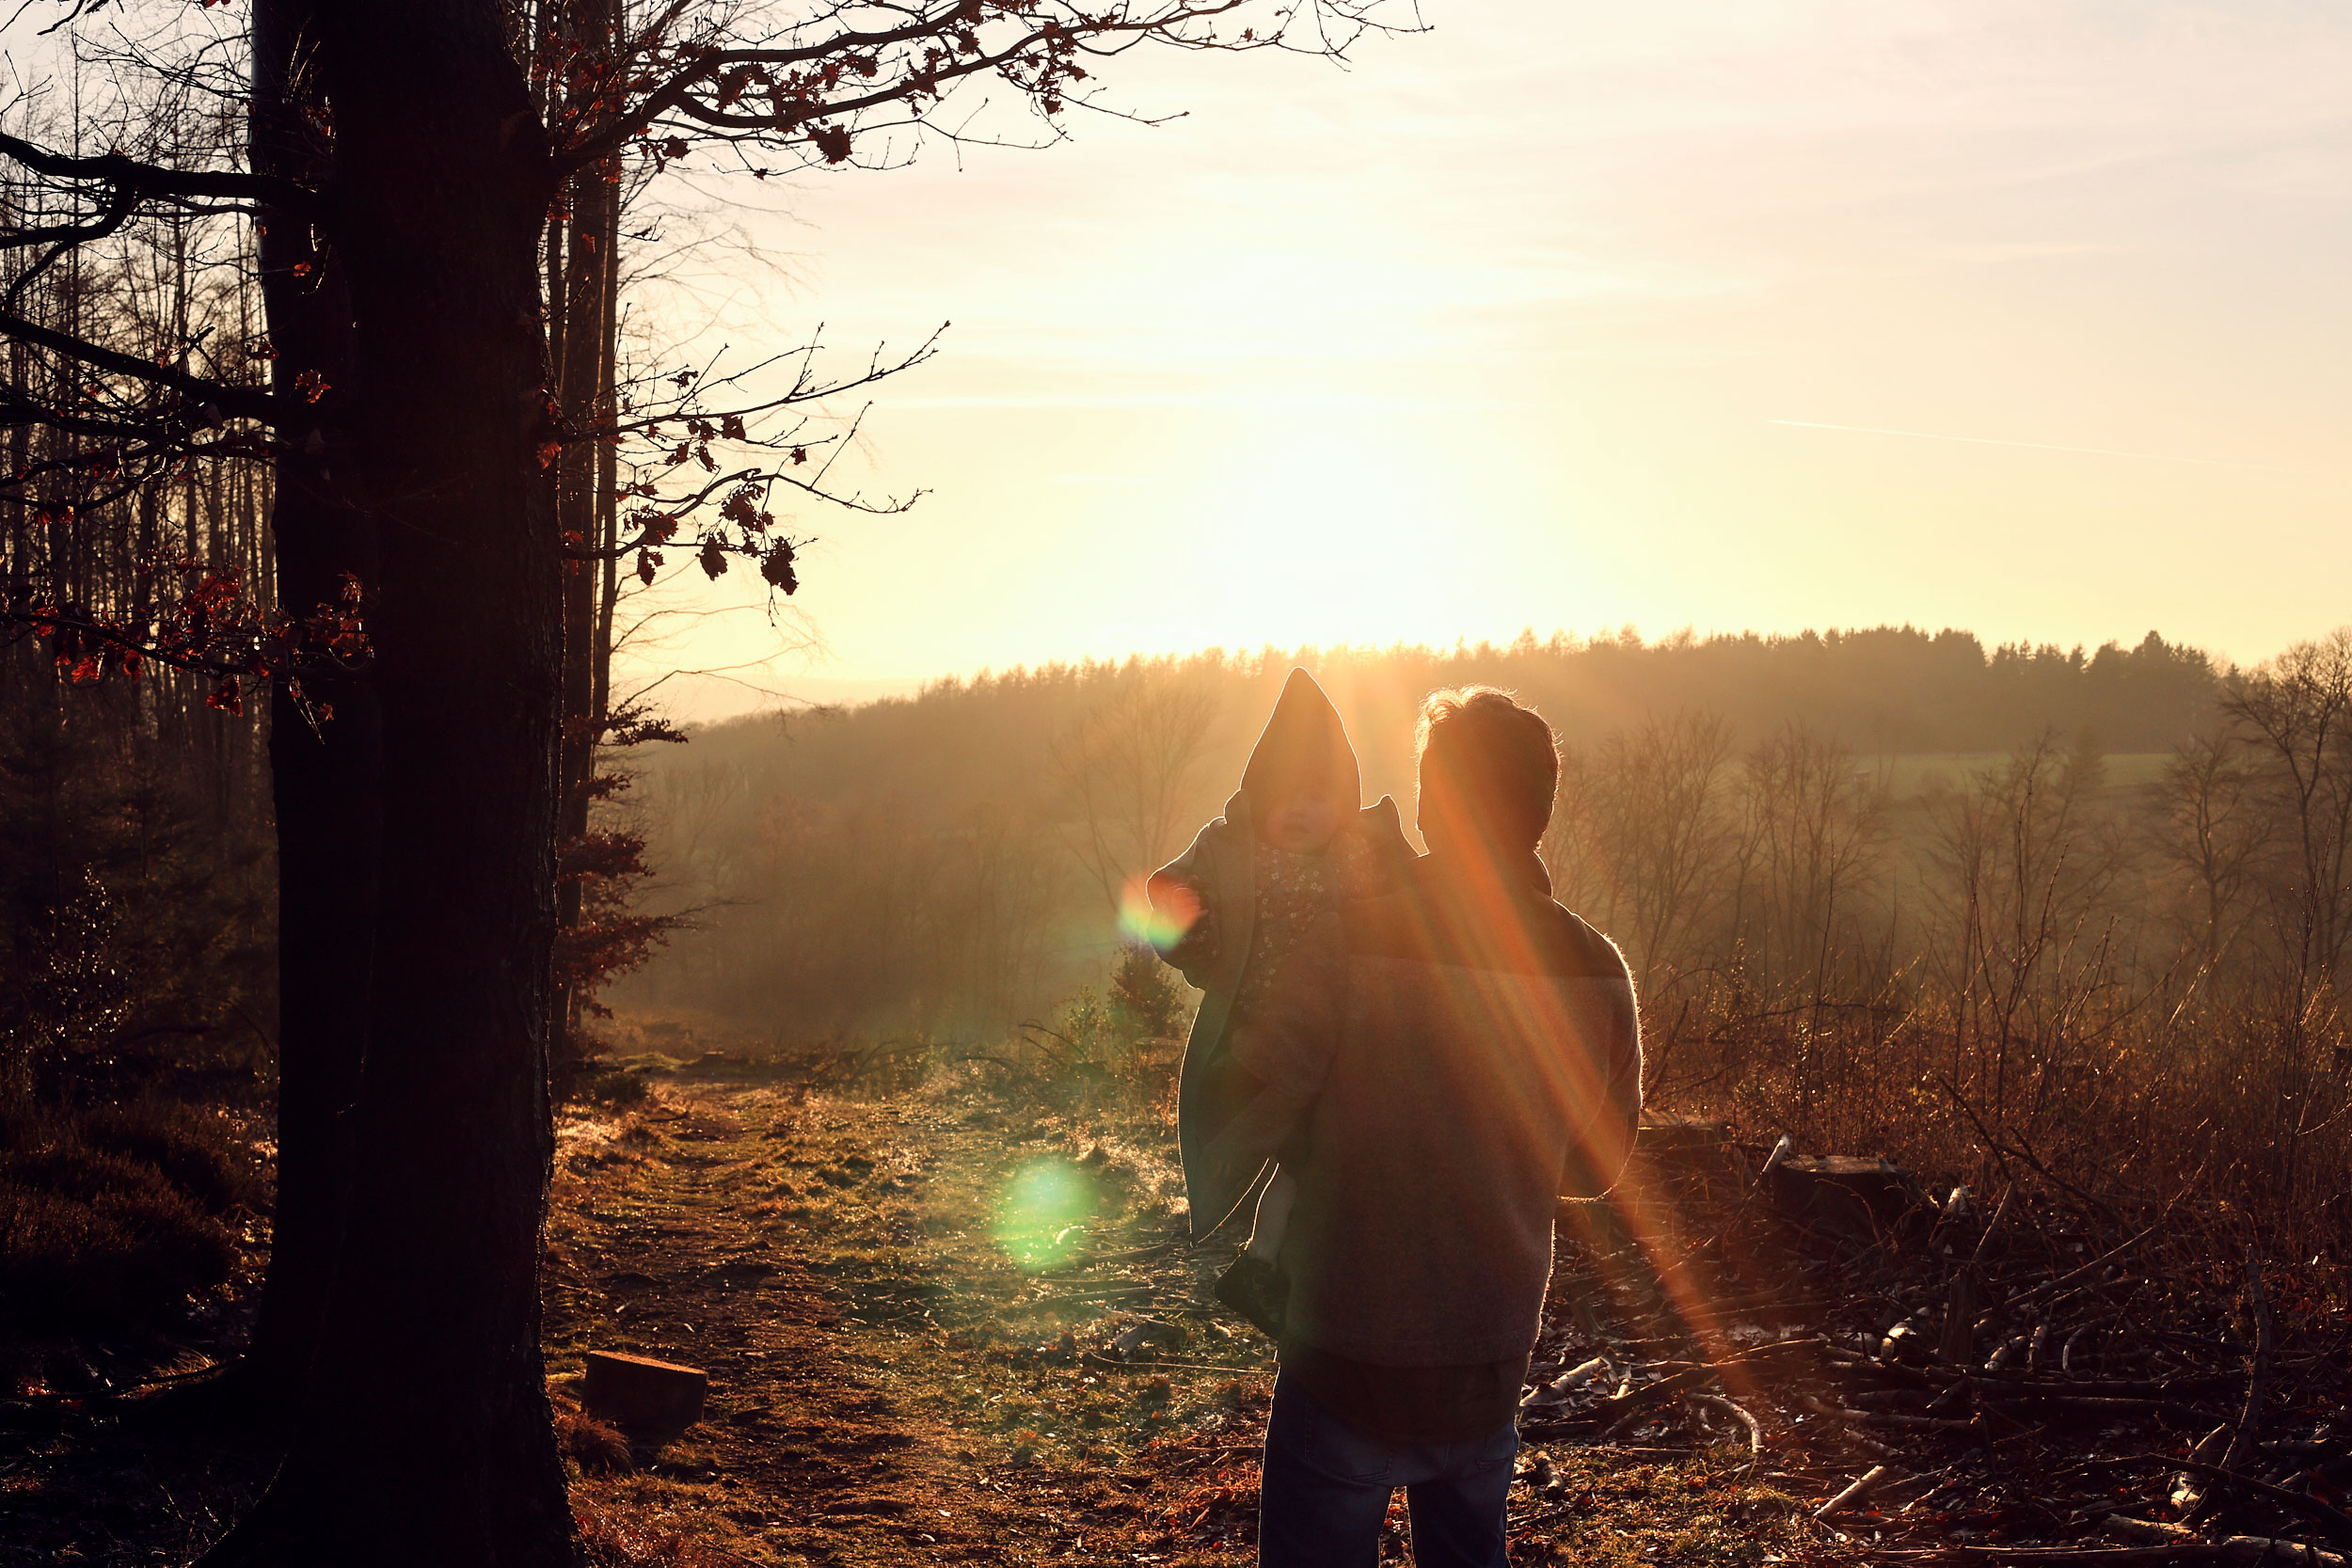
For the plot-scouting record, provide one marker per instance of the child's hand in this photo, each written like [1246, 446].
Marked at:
[1185, 912]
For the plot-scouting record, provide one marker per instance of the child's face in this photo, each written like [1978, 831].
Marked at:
[1302, 820]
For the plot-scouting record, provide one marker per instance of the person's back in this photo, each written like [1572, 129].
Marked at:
[1491, 1066]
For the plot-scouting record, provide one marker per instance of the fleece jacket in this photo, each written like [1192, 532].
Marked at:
[1489, 1064]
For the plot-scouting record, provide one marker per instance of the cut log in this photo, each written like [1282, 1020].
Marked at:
[1738, 1413]
[639, 1394]
[2189, 1487]
[1559, 1387]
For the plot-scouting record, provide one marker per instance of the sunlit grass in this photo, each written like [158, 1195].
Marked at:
[1039, 1217]
[911, 1368]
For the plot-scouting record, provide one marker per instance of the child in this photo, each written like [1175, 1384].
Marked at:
[1255, 901]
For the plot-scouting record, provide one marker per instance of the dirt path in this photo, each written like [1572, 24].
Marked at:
[911, 1311]
[887, 1381]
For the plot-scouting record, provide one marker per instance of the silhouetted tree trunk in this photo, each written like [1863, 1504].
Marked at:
[426, 1436]
[325, 776]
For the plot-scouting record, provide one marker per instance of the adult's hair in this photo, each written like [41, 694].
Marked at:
[1497, 758]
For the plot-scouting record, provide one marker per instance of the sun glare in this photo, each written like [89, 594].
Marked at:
[1330, 540]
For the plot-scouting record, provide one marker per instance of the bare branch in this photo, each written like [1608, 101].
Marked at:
[129, 174]
[242, 401]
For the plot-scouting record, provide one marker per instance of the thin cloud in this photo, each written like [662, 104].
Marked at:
[2033, 445]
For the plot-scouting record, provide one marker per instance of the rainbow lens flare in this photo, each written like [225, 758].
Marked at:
[1139, 921]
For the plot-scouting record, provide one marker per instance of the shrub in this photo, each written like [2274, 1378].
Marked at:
[104, 1218]
[1147, 1003]
[183, 1142]
[122, 1255]
[1096, 1054]
[597, 1448]
[135, 941]
[618, 1087]
[870, 1066]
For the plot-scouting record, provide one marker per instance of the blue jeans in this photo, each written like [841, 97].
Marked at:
[1325, 1487]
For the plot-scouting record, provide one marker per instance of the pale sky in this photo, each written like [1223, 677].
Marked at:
[2031, 319]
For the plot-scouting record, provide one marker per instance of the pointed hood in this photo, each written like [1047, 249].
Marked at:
[1303, 737]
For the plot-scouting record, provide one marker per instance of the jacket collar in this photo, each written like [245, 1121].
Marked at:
[1522, 870]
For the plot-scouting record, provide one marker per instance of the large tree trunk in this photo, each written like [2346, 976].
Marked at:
[325, 777]
[426, 1436]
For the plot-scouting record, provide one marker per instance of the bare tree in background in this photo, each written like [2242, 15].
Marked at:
[1644, 834]
[2214, 831]
[1815, 826]
[1000, 885]
[2295, 712]
[1124, 767]
[2028, 954]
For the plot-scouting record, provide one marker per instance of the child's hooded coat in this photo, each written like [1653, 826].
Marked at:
[1304, 729]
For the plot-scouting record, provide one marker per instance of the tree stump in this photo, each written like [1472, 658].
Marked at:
[1848, 1195]
[642, 1395]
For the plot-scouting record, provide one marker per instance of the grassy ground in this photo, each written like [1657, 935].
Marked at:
[911, 1308]
[940, 1326]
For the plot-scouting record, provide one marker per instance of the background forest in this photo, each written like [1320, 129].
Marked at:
[138, 875]
[2021, 911]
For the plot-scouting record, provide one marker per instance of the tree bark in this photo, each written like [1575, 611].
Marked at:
[427, 1434]
[325, 780]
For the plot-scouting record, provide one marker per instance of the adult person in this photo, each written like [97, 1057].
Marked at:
[1488, 1062]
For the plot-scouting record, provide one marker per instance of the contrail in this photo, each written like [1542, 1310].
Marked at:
[2032, 446]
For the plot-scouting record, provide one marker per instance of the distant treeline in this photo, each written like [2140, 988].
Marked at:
[953, 860]
[2026, 959]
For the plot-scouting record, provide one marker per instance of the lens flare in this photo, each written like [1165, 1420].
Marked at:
[1162, 927]
[1041, 1213]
